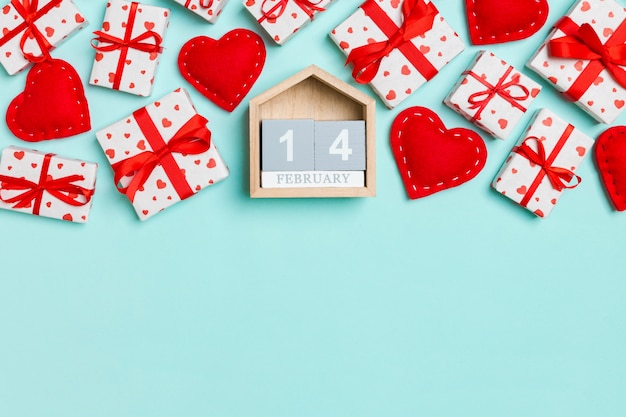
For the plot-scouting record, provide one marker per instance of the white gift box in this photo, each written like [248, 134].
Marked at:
[493, 95]
[54, 20]
[130, 68]
[550, 150]
[586, 82]
[46, 184]
[398, 75]
[156, 142]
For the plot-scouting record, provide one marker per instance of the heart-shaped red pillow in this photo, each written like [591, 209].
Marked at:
[497, 21]
[223, 70]
[432, 158]
[52, 106]
[610, 152]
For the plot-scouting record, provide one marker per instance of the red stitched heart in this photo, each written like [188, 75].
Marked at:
[432, 158]
[52, 106]
[610, 153]
[223, 70]
[491, 21]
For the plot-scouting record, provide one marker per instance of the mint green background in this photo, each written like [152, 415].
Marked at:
[459, 304]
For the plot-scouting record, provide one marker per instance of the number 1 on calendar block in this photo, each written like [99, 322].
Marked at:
[287, 145]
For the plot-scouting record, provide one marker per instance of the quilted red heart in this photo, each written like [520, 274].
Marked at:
[489, 22]
[223, 70]
[52, 106]
[432, 158]
[610, 152]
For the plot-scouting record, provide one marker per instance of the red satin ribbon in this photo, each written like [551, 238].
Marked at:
[480, 99]
[559, 177]
[127, 43]
[203, 3]
[278, 9]
[418, 18]
[62, 189]
[582, 42]
[29, 11]
[191, 139]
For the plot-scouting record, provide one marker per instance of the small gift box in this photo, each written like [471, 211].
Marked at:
[376, 40]
[209, 10]
[129, 46]
[493, 95]
[282, 18]
[31, 29]
[543, 163]
[583, 57]
[162, 154]
[45, 184]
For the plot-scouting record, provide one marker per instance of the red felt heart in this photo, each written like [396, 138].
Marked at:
[494, 21]
[610, 155]
[432, 158]
[223, 70]
[53, 104]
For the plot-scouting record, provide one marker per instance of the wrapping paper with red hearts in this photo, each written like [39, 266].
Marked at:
[398, 77]
[493, 95]
[129, 46]
[52, 22]
[163, 152]
[543, 163]
[281, 19]
[585, 81]
[209, 10]
[45, 184]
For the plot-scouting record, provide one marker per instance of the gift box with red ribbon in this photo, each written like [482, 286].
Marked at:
[543, 163]
[492, 94]
[45, 184]
[161, 154]
[282, 18]
[30, 29]
[129, 46]
[209, 10]
[585, 56]
[396, 46]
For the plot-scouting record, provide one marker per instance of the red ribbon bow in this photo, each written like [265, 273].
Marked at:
[559, 177]
[206, 4]
[278, 9]
[135, 43]
[191, 139]
[62, 189]
[582, 42]
[28, 9]
[418, 18]
[479, 100]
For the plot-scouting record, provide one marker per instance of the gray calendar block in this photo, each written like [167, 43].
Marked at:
[340, 145]
[287, 145]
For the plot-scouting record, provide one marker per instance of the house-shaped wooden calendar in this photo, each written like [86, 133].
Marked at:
[312, 135]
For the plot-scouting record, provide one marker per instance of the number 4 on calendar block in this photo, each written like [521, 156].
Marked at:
[340, 145]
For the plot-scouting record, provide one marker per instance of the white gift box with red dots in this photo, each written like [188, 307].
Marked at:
[604, 98]
[526, 182]
[209, 10]
[125, 139]
[281, 19]
[137, 70]
[493, 95]
[397, 78]
[55, 25]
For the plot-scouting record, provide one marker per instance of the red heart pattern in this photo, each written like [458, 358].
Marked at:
[489, 22]
[610, 153]
[432, 158]
[53, 85]
[223, 70]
